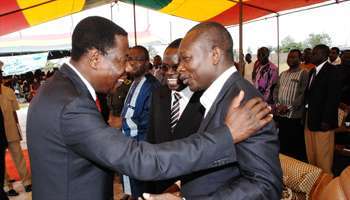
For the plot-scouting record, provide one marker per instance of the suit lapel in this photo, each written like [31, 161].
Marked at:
[319, 75]
[223, 92]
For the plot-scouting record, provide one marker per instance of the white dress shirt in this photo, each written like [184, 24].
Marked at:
[214, 89]
[319, 67]
[86, 82]
[185, 94]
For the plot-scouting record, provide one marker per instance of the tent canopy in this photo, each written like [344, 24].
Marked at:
[19, 14]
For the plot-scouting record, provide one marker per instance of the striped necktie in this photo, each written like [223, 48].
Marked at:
[175, 111]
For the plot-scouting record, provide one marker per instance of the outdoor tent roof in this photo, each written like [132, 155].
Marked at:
[19, 14]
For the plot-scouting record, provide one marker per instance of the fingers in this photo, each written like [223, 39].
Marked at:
[252, 102]
[261, 105]
[266, 120]
[263, 112]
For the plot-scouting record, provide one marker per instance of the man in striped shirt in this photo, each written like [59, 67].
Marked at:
[289, 98]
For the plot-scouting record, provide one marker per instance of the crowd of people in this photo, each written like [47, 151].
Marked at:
[171, 127]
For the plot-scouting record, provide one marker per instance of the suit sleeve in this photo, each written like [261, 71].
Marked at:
[261, 176]
[86, 134]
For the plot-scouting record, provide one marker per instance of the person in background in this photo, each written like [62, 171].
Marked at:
[9, 105]
[159, 72]
[289, 107]
[249, 66]
[115, 101]
[135, 112]
[3, 146]
[265, 75]
[334, 58]
[306, 60]
[322, 101]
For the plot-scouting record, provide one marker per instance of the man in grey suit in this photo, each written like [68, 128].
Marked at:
[206, 55]
[72, 150]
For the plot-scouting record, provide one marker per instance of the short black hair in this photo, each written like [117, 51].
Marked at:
[143, 49]
[175, 44]
[217, 36]
[94, 32]
[296, 50]
[336, 49]
[324, 50]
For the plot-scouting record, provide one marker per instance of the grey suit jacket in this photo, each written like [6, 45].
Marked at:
[257, 173]
[73, 152]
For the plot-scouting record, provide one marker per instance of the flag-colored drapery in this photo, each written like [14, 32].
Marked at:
[19, 14]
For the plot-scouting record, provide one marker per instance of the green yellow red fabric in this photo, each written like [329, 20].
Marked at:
[18, 14]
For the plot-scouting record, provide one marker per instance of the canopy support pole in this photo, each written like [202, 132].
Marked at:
[241, 61]
[134, 12]
[278, 42]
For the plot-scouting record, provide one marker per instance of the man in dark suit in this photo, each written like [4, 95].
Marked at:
[175, 110]
[207, 63]
[73, 151]
[322, 101]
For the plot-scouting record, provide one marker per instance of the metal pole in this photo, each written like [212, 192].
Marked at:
[112, 11]
[278, 42]
[241, 65]
[170, 32]
[134, 12]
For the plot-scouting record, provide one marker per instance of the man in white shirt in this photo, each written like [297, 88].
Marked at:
[206, 63]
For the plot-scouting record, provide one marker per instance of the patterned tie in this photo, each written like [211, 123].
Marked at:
[175, 111]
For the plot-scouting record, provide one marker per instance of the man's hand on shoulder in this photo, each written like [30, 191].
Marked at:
[245, 120]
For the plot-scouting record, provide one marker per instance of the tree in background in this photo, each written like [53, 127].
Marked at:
[288, 43]
[315, 39]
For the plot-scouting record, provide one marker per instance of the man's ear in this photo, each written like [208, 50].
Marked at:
[93, 58]
[216, 55]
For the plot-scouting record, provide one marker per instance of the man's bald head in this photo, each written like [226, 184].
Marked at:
[215, 35]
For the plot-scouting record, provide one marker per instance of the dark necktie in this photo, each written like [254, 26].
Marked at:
[175, 111]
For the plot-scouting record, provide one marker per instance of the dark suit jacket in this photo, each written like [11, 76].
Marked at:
[159, 128]
[323, 98]
[72, 150]
[256, 174]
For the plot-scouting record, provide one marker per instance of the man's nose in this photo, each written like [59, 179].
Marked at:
[180, 68]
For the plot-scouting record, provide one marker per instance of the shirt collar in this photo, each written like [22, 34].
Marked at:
[319, 67]
[209, 96]
[86, 82]
[185, 93]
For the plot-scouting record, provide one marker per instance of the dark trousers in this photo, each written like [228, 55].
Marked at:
[291, 136]
[3, 195]
[137, 187]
